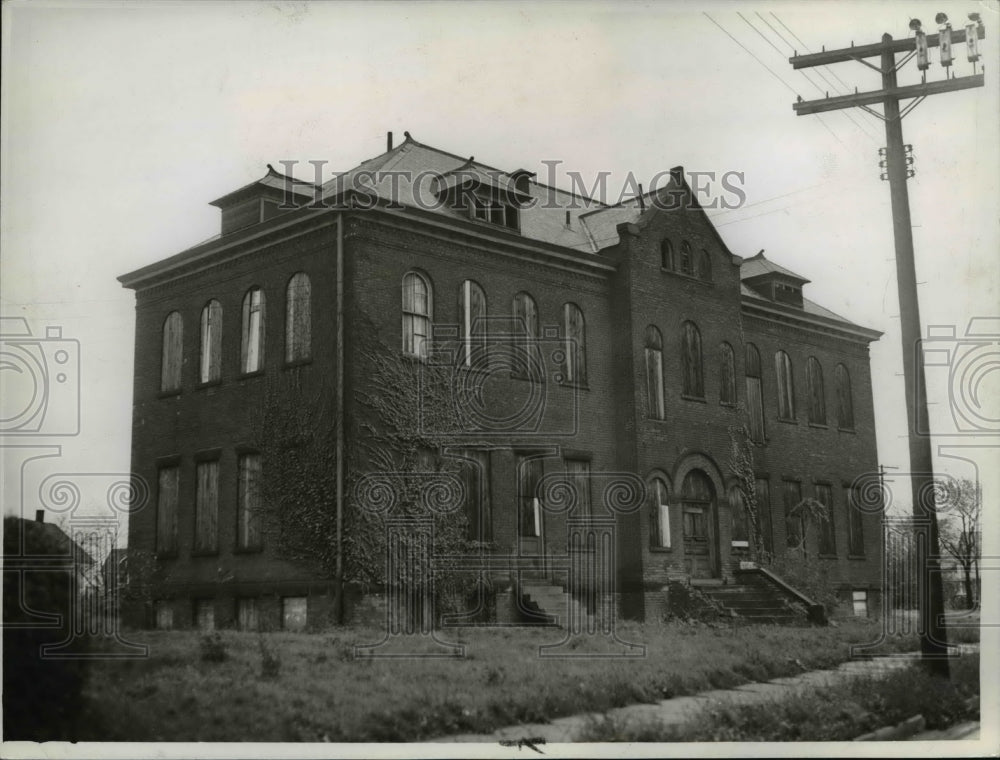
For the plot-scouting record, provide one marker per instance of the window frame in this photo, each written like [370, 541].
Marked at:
[249, 525]
[411, 317]
[692, 362]
[172, 354]
[845, 398]
[167, 543]
[472, 326]
[817, 393]
[655, 400]
[575, 346]
[298, 320]
[253, 333]
[827, 539]
[210, 354]
[727, 375]
[785, 386]
[668, 260]
[660, 530]
[754, 382]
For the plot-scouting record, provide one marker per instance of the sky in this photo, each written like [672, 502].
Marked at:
[121, 121]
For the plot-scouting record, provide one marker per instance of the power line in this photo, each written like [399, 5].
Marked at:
[803, 73]
[768, 69]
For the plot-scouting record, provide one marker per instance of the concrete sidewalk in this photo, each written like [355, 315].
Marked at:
[677, 711]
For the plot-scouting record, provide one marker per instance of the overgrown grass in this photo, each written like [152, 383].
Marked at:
[309, 687]
[836, 713]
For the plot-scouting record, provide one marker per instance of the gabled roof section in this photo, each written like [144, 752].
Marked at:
[759, 266]
[676, 195]
[270, 182]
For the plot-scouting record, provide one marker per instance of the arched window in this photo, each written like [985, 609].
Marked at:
[418, 300]
[845, 403]
[687, 264]
[252, 353]
[659, 515]
[755, 395]
[525, 315]
[740, 534]
[173, 350]
[786, 388]
[817, 399]
[298, 318]
[575, 332]
[727, 375]
[472, 312]
[654, 373]
[525, 361]
[704, 266]
[211, 342]
[691, 361]
[667, 255]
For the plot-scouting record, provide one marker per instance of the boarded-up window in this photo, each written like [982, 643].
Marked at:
[740, 530]
[478, 508]
[727, 375]
[298, 318]
[204, 614]
[855, 530]
[845, 403]
[173, 352]
[166, 510]
[654, 373]
[293, 613]
[163, 613]
[210, 368]
[827, 532]
[755, 396]
[417, 302]
[659, 515]
[247, 615]
[252, 352]
[687, 264]
[472, 311]
[704, 266]
[859, 600]
[667, 260]
[249, 502]
[817, 397]
[526, 360]
[575, 330]
[694, 385]
[578, 475]
[762, 486]
[794, 520]
[786, 387]
[206, 508]
[529, 473]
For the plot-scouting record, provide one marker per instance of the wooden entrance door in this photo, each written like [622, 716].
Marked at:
[699, 516]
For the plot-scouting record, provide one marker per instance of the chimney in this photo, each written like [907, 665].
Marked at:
[388, 141]
[40, 515]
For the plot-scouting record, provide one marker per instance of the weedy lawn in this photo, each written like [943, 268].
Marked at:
[235, 686]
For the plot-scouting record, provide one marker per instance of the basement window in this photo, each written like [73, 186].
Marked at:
[859, 598]
[204, 613]
[164, 615]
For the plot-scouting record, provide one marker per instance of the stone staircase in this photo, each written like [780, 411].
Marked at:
[545, 603]
[755, 600]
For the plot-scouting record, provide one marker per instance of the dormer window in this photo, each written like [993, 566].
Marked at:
[486, 195]
[786, 293]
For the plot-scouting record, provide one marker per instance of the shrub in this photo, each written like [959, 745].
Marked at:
[213, 648]
[270, 662]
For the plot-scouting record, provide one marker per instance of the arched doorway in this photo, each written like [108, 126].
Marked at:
[701, 525]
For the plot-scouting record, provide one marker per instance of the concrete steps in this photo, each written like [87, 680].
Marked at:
[754, 602]
[549, 604]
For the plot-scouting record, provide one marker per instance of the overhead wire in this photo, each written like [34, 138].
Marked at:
[771, 72]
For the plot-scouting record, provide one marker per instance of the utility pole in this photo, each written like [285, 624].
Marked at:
[933, 641]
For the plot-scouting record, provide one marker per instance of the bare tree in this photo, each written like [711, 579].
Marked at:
[960, 535]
